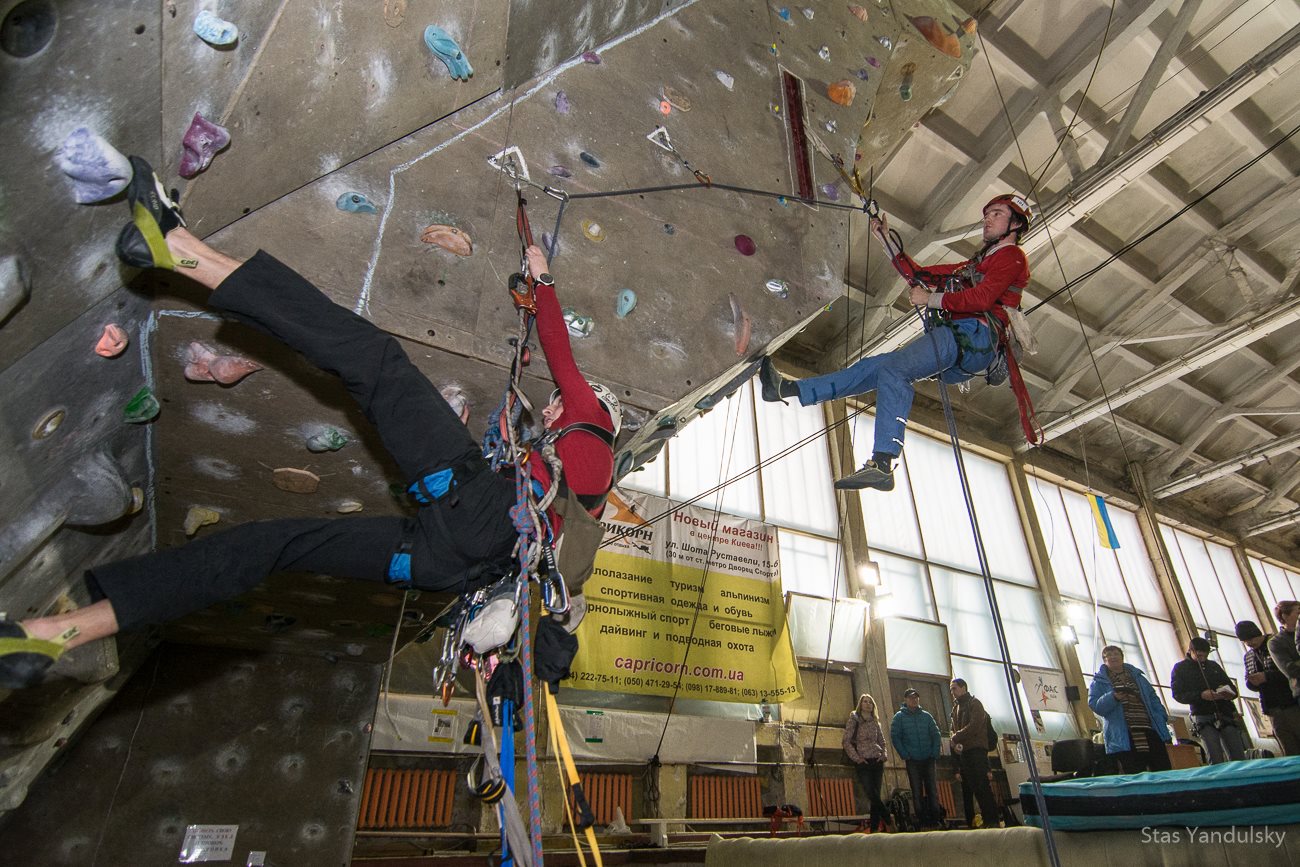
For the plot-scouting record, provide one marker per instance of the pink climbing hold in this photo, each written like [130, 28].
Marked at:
[745, 245]
[112, 342]
[203, 364]
[591, 57]
[741, 323]
[202, 142]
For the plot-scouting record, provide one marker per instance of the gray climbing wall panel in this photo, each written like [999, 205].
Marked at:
[331, 103]
[273, 743]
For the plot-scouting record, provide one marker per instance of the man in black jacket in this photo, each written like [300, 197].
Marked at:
[1275, 698]
[1202, 684]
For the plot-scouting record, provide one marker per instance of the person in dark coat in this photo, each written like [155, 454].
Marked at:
[1276, 700]
[1203, 685]
[970, 744]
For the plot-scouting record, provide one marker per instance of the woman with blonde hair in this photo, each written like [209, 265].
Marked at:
[864, 743]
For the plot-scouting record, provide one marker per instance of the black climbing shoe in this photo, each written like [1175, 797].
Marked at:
[148, 192]
[872, 475]
[770, 381]
[23, 659]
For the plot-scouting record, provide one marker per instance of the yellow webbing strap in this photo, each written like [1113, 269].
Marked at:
[568, 810]
[570, 769]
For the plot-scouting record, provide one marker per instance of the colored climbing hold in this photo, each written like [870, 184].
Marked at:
[112, 342]
[328, 439]
[97, 169]
[593, 230]
[137, 501]
[830, 126]
[742, 325]
[579, 325]
[670, 229]
[824, 52]
[808, 13]
[551, 245]
[676, 98]
[905, 89]
[774, 107]
[355, 203]
[842, 92]
[142, 407]
[862, 74]
[665, 107]
[873, 62]
[446, 49]
[394, 12]
[886, 42]
[589, 159]
[294, 480]
[858, 12]
[934, 33]
[625, 303]
[745, 245]
[197, 517]
[449, 238]
[784, 13]
[562, 102]
[560, 172]
[215, 31]
[969, 26]
[204, 364]
[347, 507]
[591, 57]
[779, 288]
[727, 81]
[201, 143]
[831, 191]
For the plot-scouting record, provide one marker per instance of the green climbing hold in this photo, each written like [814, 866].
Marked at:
[142, 408]
[329, 439]
[625, 304]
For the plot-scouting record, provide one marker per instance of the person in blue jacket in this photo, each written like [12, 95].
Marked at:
[916, 739]
[1134, 724]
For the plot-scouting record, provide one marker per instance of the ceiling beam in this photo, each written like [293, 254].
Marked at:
[1204, 475]
[1232, 340]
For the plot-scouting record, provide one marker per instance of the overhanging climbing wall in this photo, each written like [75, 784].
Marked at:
[358, 152]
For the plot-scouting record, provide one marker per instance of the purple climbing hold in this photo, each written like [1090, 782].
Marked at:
[831, 191]
[560, 172]
[873, 63]
[591, 57]
[551, 245]
[562, 102]
[862, 74]
[589, 160]
[745, 245]
[97, 169]
[202, 141]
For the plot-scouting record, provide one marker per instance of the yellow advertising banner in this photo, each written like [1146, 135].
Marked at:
[690, 603]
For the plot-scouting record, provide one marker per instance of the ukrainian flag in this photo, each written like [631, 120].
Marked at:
[1105, 531]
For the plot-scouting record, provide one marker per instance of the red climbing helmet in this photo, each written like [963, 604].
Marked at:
[1016, 203]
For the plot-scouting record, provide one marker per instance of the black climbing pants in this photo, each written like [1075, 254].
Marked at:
[455, 542]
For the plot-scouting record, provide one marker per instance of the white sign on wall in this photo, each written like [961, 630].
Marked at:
[1044, 688]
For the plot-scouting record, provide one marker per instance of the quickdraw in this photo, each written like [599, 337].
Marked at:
[661, 139]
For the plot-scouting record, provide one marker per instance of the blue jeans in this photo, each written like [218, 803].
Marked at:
[891, 376]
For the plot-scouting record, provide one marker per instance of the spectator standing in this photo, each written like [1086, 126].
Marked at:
[864, 742]
[970, 744]
[1203, 685]
[1275, 697]
[1134, 724]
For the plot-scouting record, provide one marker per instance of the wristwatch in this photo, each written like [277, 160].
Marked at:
[545, 279]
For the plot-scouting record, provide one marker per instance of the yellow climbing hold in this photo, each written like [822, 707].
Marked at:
[197, 517]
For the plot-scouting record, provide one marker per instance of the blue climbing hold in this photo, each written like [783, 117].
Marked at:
[355, 203]
[589, 160]
[784, 13]
[625, 304]
[448, 51]
[214, 30]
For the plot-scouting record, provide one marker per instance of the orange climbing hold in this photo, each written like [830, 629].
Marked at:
[858, 12]
[842, 92]
[112, 342]
[295, 481]
[449, 238]
[935, 34]
[203, 364]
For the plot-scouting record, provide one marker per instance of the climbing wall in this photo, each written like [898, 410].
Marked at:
[357, 143]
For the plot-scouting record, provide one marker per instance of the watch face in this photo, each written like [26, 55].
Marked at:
[546, 279]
